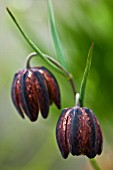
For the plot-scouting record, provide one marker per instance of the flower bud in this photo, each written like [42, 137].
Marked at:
[78, 132]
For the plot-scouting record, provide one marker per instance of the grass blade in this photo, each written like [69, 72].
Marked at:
[56, 40]
[84, 80]
[44, 57]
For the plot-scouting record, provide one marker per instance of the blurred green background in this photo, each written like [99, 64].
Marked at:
[32, 146]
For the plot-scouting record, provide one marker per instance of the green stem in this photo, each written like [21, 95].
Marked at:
[84, 80]
[49, 60]
[67, 74]
[94, 164]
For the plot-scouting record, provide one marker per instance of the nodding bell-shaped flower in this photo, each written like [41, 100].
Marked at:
[35, 89]
[78, 132]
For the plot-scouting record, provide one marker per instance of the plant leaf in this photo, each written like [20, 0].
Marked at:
[56, 40]
[85, 75]
[47, 59]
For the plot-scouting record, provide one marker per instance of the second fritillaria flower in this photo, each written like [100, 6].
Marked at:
[35, 89]
[78, 132]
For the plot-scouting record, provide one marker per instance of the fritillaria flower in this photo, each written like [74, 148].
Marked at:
[35, 89]
[78, 132]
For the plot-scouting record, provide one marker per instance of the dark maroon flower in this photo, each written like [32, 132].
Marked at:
[32, 91]
[78, 132]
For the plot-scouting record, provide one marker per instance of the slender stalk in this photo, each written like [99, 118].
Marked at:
[29, 57]
[49, 60]
[77, 103]
[57, 64]
[67, 74]
[85, 75]
[94, 164]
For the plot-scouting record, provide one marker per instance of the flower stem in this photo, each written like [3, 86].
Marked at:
[67, 74]
[94, 164]
[49, 60]
[57, 64]
[77, 102]
[29, 57]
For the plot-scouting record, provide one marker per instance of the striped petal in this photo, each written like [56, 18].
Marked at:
[43, 96]
[61, 133]
[74, 131]
[99, 137]
[52, 85]
[15, 91]
[89, 133]
[29, 99]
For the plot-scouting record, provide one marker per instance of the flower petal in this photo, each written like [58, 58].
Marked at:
[29, 95]
[15, 92]
[90, 135]
[43, 96]
[53, 87]
[99, 140]
[61, 129]
[74, 131]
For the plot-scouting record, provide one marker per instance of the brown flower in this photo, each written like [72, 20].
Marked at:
[33, 90]
[78, 132]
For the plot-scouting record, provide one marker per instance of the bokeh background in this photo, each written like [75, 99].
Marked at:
[32, 146]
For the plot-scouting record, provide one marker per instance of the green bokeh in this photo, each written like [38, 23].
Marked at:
[32, 146]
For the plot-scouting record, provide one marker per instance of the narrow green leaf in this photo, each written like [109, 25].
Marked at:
[47, 59]
[85, 75]
[56, 40]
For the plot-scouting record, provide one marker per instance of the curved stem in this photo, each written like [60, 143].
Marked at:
[33, 54]
[94, 164]
[67, 74]
[49, 60]
[57, 64]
